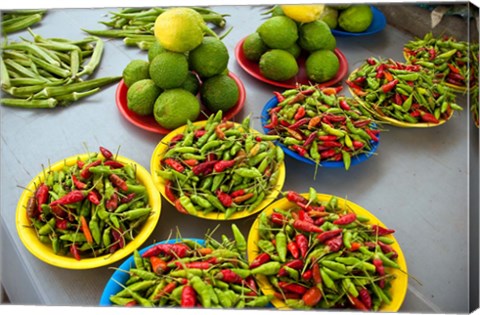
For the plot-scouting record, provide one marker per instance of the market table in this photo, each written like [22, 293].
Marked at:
[417, 183]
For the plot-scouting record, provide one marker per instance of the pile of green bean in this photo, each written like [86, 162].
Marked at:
[91, 208]
[317, 254]
[187, 274]
[221, 167]
[135, 25]
[47, 72]
[17, 20]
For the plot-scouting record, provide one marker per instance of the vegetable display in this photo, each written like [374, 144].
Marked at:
[474, 92]
[18, 20]
[135, 25]
[48, 72]
[186, 273]
[322, 126]
[397, 92]
[316, 253]
[91, 208]
[220, 167]
[447, 57]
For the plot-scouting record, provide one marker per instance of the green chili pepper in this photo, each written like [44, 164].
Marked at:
[329, 283]
[239, 238]
[281, 245]
[267, 269]
[349, 286]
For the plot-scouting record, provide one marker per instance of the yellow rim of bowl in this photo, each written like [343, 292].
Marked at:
[392, 121]
[45, 253]
[162, 147]
[399, 285]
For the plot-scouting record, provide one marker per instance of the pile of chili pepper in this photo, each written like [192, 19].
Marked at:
[222, 167]
[318, 124]
[447, 57]
[474, 92]
[187, 274]
[135, 25]
[317, 254]
[91, 208]
[403, 92]
[50, 72]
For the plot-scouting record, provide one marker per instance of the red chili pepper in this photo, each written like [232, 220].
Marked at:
[191, 162]
[71, 197]
[59, 212]
[432, 53]
[176, 139]
[300, 123]
[344, 105]
[380, 269]
[222, 165]
[85, 173]
[362, 123]
[357, 303]
[334, 243]
[346, 219]
[355, 246]
[283, 122]
[273, 121]
[278, 218]
[328, 153]
[303, 215]
[41, 195]
[360, 80]
[380, 231]
[359, 92]
[300, 150]
[224, 198]
[302, 243]
[250, 283]
[200, 132]
[331, 144]
[174, 164]
[365, 298]
[293, 249]
[295, 197]
[113, 164]
[331, 90]
[307, 275]
[204, 168]
[322, 237]
[300, 113]
[387, 249]
[75, 252]
[106, 153]
[193, 265]
[159, 266]
[118, 237]
[306, 226]
[292, 287]
[237, 193]
[353, 85]
[169, 191]
[453, 68]
[118, 182]
[328, 138]
[260, 260]
[112, 203]
[380, 71]
[279, 96]
[166, 290]
[371, 61]
[387, 87]
[78, 184]
[61, 224]
[311, 137]
[456, 76]
[316, 275]
[80, 164]
[179, 206]
[179, 250]
[188, 297]
[312, 296]
[227, 275]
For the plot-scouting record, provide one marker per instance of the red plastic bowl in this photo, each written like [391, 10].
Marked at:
[253, 69]
[150, 124]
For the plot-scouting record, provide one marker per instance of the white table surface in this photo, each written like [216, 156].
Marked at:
[418, 183]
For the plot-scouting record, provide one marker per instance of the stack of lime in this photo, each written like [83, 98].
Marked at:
[354, 18]
[293, 30]
[187, 59]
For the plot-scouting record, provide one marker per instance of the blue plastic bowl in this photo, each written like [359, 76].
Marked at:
[121, 276]
[330, 164]
[378, 24]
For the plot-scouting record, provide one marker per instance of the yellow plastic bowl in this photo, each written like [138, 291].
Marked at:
[399, 285]
[45, 253]
[159, 182]
[393, 121]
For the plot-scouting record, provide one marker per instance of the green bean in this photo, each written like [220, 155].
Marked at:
[4, 75]
[76, 87]
[51, 68]
[20, 23]
[75, 96]
[36, 50]
[95, 59]
[15, 102]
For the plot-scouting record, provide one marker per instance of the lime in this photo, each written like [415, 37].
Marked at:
[169, 69]
[278, 65]
[356, 18]
[191, 84]
[278, 32]
[154, 50]
[173, 108]
[210, 58]
[135, 70]
[253, 47]
[219, 93]
[330, 16]
[322, 65]
[295, 50]
[303, 13]
[179, 29]
[316, 35]
[141, 96]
